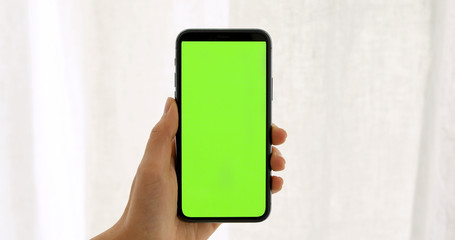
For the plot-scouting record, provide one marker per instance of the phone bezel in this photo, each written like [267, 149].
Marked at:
[225, 35]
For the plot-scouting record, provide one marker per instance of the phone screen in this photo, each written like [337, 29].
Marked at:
[223, 128]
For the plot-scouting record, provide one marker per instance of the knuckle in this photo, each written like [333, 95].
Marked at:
[157, 129]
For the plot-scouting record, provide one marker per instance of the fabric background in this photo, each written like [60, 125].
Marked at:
[365, 90]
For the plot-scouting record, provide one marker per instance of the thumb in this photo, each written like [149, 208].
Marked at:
[158, 152]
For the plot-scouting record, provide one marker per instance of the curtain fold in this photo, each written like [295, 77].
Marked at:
[18, 213]
[434, 199]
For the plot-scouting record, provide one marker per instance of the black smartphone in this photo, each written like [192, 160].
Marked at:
[223, 91]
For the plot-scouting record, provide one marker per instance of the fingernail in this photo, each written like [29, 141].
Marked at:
[277, 152]
[168, 105]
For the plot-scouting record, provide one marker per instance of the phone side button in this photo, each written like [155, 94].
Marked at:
[271, 91]
[175, 79]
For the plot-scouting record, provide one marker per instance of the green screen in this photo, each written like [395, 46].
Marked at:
[223, 128]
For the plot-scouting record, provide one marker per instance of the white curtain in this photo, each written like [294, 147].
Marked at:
[365, 90]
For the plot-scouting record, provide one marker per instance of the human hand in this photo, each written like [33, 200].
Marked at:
[151, 212]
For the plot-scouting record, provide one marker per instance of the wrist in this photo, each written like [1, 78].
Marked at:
[115, 232]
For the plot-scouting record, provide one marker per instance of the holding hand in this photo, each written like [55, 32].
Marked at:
[151, 212]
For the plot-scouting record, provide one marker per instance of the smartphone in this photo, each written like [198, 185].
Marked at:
[223, 89]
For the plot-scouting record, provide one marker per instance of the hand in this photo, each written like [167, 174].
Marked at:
[151, 212]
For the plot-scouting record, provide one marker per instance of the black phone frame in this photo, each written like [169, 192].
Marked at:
[225, 35]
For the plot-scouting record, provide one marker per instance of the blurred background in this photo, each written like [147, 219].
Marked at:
[365, 90]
